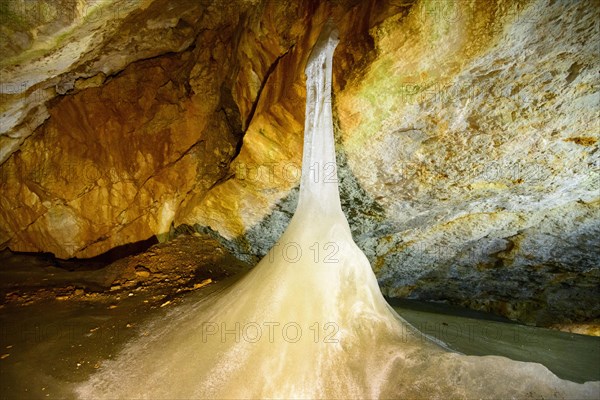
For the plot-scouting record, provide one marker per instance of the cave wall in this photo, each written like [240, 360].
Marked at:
[482, 148]
[118, 154]
[467, 138]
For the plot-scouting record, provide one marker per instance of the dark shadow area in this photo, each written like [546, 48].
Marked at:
[29, 272]
[79, 264]
[113, 254]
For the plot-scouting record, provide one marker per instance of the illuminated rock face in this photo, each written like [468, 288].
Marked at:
[131, 151]
[482, 148]
[466, 137]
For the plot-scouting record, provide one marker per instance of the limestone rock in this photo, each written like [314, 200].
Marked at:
[131, 150]
[475, 129]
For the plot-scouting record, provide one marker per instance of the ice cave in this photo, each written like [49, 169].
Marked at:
[269, 199]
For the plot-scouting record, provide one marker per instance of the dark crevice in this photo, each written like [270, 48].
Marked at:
[573, 72]
[238, 148]
[124, 250]
[229, 124]
[92, 263]
[262, 86]
[114, 253]
[233, 115]
[219, 181]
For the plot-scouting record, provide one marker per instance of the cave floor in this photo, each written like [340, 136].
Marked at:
[568, 355]
[183, 264]
[58, 322]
